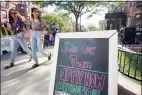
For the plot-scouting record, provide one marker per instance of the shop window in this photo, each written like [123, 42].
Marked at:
[4, 4]
[3, 14]
[13, 6]
[128, 23]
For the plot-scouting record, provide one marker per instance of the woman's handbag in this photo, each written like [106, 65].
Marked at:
[26, 31]
[27, 34]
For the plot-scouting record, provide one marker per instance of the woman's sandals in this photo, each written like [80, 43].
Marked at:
[36, 65]
[30, 59]
[9, 66]
[49, 57]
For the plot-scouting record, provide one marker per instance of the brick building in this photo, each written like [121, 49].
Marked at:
[23, 8]
[134, 14]
[128, 14]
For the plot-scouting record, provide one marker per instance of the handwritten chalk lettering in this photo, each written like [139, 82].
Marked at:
[59, 85]
[79, 64]
[100, 81]
[60, 93]
[91, 80]
[94, 80]
[69, 48]
[62, 74]
[73, 58]
[74, 76]
[73, 89]
[90, 50]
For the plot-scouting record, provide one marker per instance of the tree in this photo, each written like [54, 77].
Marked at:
[52, 19]
[61, 21]
[78, 8]
[93, 28]
[67, 22]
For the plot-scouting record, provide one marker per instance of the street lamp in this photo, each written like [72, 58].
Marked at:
[80, 23]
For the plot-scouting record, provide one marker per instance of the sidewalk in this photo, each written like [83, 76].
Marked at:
[22, 80]
[127, 86]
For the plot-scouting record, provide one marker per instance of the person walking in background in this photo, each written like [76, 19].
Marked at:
[38, 28]
[54, 31]
[15, 25]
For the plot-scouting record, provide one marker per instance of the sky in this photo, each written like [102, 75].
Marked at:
[94, 20]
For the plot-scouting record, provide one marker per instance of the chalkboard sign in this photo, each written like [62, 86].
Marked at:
[85, 64]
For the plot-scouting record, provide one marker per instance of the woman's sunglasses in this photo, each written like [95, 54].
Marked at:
[36, 11]
[13, 13]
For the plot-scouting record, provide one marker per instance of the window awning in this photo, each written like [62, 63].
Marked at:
[115, 15]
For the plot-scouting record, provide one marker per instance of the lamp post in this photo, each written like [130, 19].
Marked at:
[80, 23]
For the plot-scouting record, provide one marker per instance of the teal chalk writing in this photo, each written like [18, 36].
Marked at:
[72, 89]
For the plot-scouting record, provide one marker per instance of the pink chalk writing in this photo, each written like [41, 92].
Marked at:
[62, 74]
[69, 48]
[74, 78]
[73, 58]
[90, 50]
[70, 75]
[100, 80]
[87, 79]
[79, 64]
[94, 80]
[80, 76]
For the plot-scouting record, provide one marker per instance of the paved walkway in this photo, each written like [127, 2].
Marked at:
[128, 86]
[22, 80]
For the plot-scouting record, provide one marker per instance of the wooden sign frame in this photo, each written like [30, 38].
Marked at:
[112, 35]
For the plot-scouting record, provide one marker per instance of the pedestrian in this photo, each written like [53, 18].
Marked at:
[15, 25]
[54, 31]
[38, 28]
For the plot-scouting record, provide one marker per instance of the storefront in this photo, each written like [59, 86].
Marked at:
[115, 20]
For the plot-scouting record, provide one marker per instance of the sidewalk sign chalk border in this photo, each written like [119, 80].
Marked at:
[113, 43]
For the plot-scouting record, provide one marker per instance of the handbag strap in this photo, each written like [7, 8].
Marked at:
[23, 25]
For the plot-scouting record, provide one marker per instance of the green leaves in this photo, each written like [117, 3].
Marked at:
[61, 20]
[92, 28]
[78, 8]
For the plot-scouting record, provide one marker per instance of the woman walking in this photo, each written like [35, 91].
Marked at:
[38, 27]
[16, 26]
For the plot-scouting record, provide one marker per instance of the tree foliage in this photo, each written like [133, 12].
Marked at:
[77, 8]
[61, 21]
[92, 28]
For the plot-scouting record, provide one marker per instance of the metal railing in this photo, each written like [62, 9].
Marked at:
[130, 64]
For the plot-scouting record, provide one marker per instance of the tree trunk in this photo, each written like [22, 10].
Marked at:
[0, 14]
[76, 23]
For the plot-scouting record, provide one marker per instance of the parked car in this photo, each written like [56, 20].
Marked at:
[5, 44]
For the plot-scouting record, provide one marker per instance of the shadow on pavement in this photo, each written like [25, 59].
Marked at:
[12, 75]
[34, 82]
[17, 70]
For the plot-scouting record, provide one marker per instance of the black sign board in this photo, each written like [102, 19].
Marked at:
[82, 67]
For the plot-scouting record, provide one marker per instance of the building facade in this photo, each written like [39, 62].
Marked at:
[128, 14]
[116, 18]
[103, 24]
[21, 6]
[134, 14]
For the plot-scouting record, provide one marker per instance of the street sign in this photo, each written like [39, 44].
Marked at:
[85, 63]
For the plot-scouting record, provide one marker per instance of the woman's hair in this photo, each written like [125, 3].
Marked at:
[11, 20]
[5, 25]
[32, 10]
